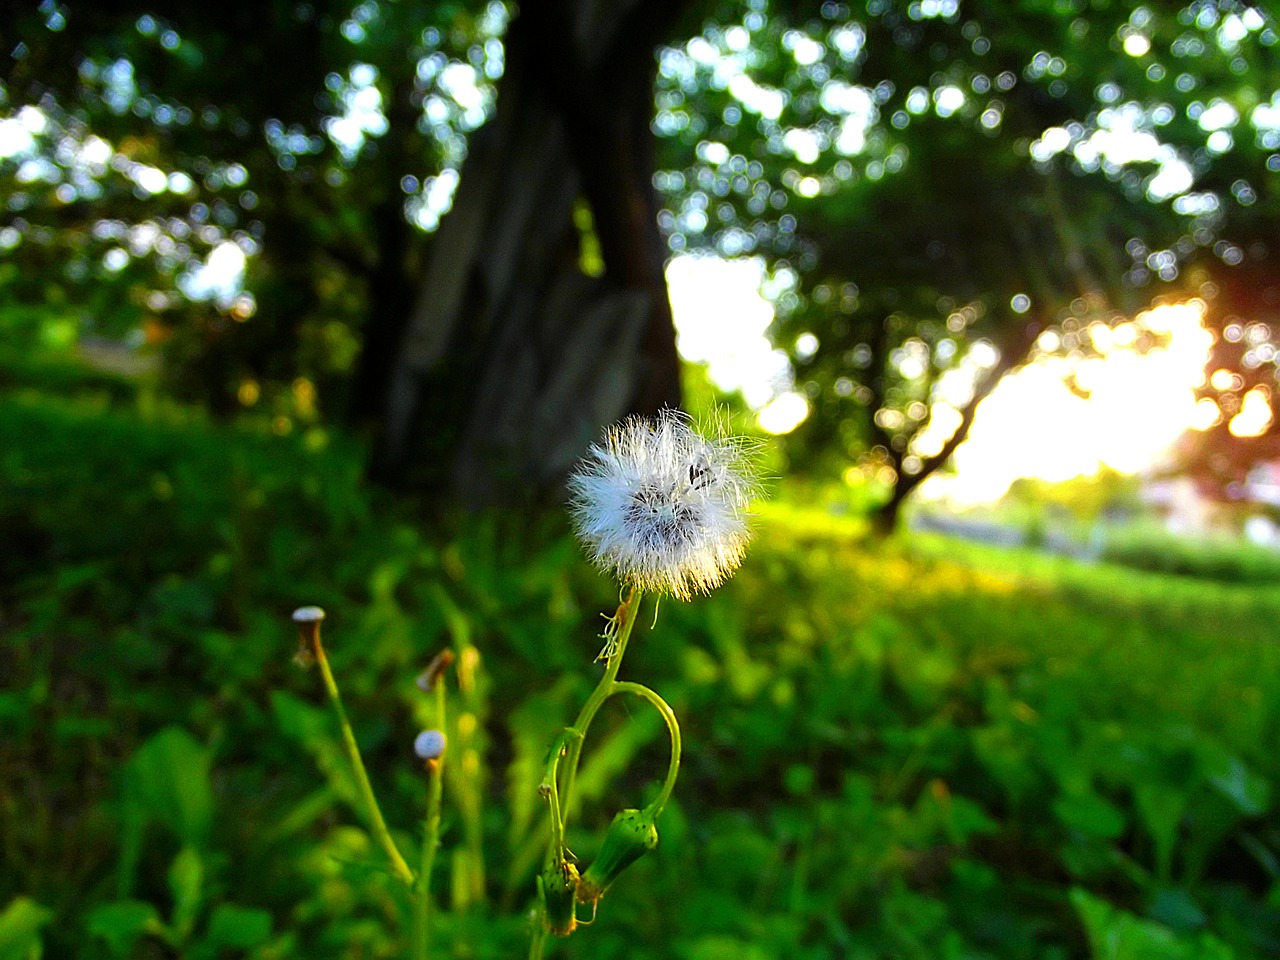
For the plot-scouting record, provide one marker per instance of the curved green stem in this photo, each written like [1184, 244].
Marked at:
[550, 787]
[624, 621]
[668, 715]
[568, 748]
[430, 838]
[349, 746]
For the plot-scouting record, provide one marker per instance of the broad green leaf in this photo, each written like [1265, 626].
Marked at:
[1248, 791]
[1160, 809]
[1114, 934]
[316, 730]
[168, 778]
[121, 922]
[533, 725]
[966, 818]
[20, 925]
[1090, 814]
[186, 881]
[1177, 909]
[238, 927]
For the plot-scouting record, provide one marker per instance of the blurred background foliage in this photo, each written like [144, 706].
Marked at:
[935, 188]
[253, 257]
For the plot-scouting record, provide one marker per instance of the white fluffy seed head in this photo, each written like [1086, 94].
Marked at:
[663, 507]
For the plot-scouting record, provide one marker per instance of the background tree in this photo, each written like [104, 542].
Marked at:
[517, 349]
[936, 179]
[935, 183]
[295, 125]
[1240, 389]
[309, 140]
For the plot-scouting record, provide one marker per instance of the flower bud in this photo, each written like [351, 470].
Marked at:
[429, 677]
[631, 835]
[308, 621]
[429, 744]
[559, 882]
[308, 615]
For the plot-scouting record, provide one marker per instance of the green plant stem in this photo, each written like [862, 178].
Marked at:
[551, 788]
[539, 938]
[627, 612]
[669, 716]
[430, 838]
[568, 747]
[370, 802]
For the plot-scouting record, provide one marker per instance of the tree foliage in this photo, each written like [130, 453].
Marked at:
[944, 182]
[934, 184]
[312, 140]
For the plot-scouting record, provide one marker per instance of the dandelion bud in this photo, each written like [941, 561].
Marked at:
[308, 615]
[663, 507]
[308, 621]
[429, 744]
[429, 677]
[559, 882]
[631, 835]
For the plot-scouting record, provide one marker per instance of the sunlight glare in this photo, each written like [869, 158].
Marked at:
[1033, 425]
[1254, 417]
[786, 412]
[721, 320]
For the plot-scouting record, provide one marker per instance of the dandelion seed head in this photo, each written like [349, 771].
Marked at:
[663, 507]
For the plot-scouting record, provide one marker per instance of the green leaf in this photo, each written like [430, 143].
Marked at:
[168, 778]
[121, 923]
[1177, 909]
[240, 928]
[1160, 810]
[186, 880]
[964, 818]
[1116, 935]
[614, 754]
[533, 725]
[20, 925]
[1239, 784]
[717, 946]
[1090, 814]
[314, 729]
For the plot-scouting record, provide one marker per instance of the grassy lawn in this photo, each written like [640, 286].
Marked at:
[917, 750]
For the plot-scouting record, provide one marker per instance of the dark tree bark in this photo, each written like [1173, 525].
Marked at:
[512, 358]
[390, 289]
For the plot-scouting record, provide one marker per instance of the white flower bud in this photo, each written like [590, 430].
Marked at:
[429, 744]
[308, 615]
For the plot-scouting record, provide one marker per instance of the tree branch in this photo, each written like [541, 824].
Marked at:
[1014, 353]
[879, 344]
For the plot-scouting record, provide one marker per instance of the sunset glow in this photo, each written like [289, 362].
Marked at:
[1126, 411]
[1034, 425]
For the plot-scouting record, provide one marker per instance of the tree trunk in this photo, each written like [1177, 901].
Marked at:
[390, 289]
[512, 358]
[1014, 350]
[884, 519]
